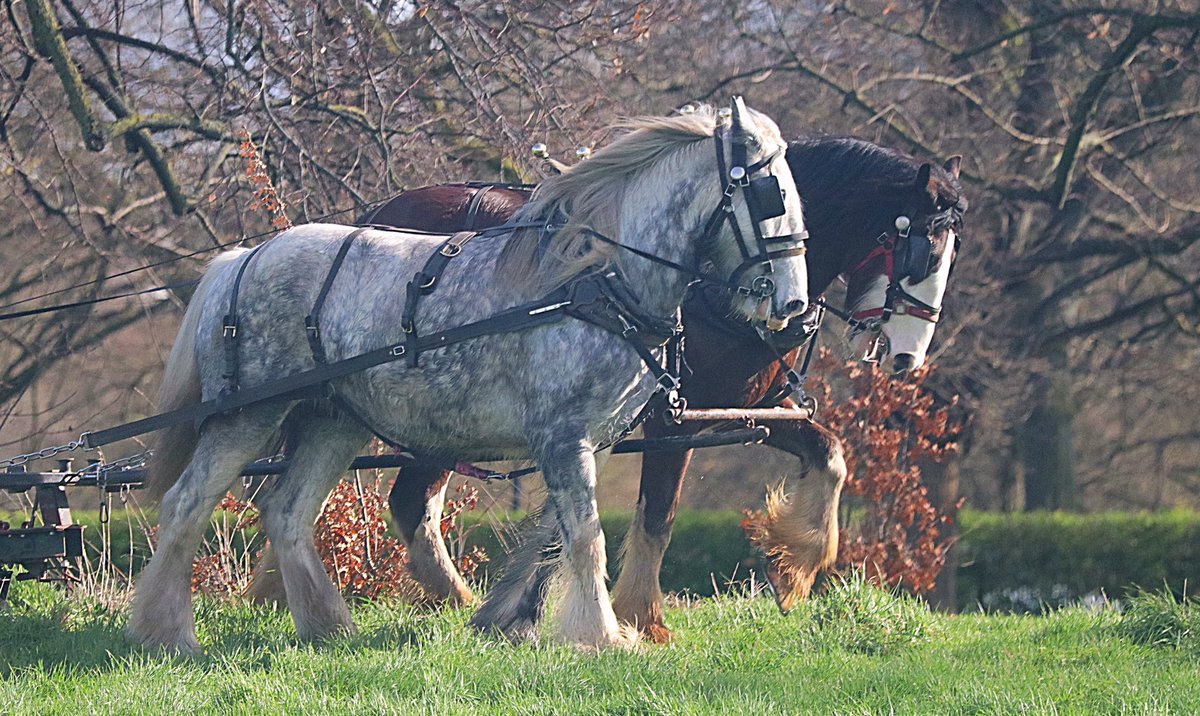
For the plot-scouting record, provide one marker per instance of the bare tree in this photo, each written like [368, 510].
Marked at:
[1072, 328]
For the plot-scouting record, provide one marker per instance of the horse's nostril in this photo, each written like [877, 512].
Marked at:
[903, 362]
[795, 308]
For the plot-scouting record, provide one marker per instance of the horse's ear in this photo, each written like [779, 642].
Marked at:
[952, 165]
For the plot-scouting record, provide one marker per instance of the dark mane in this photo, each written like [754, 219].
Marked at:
[832, 163]
[852, 188]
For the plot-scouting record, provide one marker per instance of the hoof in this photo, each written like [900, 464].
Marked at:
[455, 599]
[182, 645]
[606, 635]
[790, 584]
[624, 637]
[657, 633]
[326, 633]
[320, 630]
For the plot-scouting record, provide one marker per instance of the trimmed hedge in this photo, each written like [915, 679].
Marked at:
[1008, 562]
[707, 548]
[1030, 561]
[1024, 562]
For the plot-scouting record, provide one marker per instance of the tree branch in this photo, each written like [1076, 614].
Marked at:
[48, 40]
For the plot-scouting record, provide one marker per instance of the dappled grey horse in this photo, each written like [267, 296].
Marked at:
[651, 211]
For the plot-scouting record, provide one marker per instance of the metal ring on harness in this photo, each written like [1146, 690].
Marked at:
[764, 198]
[763, 286]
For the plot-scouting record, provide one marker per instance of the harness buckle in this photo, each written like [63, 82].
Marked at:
[676, 404]
[450, 250]
[627, 328]
[229, 330]
[668, 384]
[397, 351]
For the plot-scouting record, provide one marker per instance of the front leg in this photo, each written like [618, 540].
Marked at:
[585, 616]
[799, 528]
[637, 595]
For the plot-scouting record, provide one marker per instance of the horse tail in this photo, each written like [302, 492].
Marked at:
[173, 446]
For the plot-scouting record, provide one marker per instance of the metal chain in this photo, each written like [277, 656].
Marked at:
[102, 469]
[44, 453]
[133, 461]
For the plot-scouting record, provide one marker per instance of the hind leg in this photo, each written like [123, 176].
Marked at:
[799, 532]
[516, 603]
[417, 499]
[325, 447]
[266, 583]
[162, 605]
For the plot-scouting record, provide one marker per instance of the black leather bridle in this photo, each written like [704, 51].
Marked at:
[765, 199]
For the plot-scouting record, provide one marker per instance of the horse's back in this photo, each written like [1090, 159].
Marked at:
[447, 207]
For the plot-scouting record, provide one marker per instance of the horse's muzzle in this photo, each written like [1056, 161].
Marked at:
[779, 320]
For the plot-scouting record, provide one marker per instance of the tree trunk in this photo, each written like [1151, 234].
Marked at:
[944, 479]
[1047, 441]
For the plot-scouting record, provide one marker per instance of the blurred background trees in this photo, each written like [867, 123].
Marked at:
[1072, 324]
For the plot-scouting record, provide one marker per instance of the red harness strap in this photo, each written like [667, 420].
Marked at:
[899, 302]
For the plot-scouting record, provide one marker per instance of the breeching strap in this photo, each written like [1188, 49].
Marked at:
[229, 325]
[312, 322]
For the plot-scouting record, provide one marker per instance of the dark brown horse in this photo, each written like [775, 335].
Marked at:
[853, 193]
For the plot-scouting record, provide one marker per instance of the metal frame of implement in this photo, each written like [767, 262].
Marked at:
[30, 553]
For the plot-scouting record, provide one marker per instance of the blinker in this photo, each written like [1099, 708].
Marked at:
[918, 254]
[766, 198]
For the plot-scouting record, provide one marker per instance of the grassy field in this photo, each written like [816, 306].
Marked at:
[854, 650]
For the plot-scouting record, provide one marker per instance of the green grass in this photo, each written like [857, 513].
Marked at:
[850, 651]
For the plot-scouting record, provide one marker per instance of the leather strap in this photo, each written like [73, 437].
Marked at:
[473, 208]
[229, 326]
[313, 383]
[308, 384]
[423, 283]
[312, 322]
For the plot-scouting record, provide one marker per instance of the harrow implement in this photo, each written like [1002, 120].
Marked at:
[49, 545]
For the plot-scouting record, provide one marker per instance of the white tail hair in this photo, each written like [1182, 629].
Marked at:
[173, 446]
